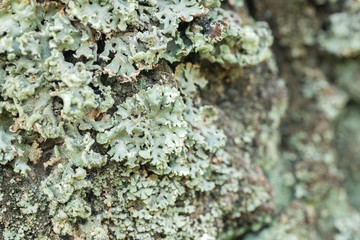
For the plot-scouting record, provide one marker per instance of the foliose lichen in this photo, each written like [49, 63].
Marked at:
[341, 37]
[102, 113]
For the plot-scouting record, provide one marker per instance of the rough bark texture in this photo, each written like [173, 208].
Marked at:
[183, 119]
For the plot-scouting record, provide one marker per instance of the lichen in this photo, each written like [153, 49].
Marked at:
[160, 119]
[342, 36]
[123, 151]
[346, 77]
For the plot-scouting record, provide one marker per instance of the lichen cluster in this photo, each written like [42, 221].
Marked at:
[174, 119]
[103, 125]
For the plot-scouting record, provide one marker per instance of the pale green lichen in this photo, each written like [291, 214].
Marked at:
[342, 36]
[220, 38]
[225, 41]
[148, 128]
[150, 134]
[112, 148]
[7, 152]
[105, 16]
[188, 163]
[347, 77]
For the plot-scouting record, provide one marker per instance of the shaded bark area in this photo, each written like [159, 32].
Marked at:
[312, 168]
